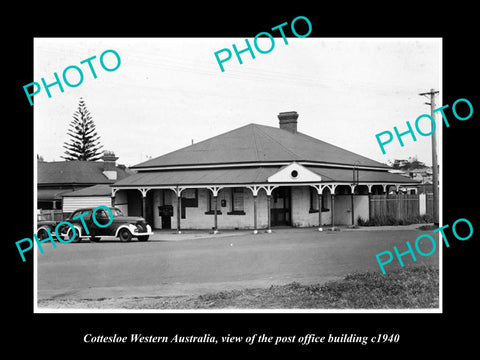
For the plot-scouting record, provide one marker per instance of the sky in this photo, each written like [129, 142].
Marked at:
[170, 92]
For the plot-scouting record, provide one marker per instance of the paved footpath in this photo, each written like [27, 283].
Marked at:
[198, 262]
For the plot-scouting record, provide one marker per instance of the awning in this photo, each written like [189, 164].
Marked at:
[253, 175]
[96, 190]
[51, 194]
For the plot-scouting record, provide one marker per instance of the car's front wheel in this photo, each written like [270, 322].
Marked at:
[125, 235]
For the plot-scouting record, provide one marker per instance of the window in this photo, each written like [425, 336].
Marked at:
[102, 216]
[211, 204]
[314, 201]
[76, 213]
[237, 202]
[237, 199]
[190, 197]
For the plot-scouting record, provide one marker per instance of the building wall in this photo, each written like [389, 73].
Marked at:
[195, 217]
[301, 217]
[70, 204]
[361, 207]
[343, 208]
[121, 201]
[129, 201]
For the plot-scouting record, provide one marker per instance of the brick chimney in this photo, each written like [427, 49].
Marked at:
[109, 165]
[288, 121]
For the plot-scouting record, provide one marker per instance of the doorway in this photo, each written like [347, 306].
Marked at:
[280, 210]
[166, 213]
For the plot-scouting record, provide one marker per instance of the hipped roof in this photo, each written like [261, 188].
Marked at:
[254, 143]
[74, 172]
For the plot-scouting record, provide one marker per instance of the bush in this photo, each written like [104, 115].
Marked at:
[391, 220]
[361, 221]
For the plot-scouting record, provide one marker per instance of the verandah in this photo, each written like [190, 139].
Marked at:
[320, 194]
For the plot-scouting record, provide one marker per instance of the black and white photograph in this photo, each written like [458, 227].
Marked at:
[253, 186]
[235, 179]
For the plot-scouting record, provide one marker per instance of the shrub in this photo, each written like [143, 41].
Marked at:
[362, 222]
[383, 220]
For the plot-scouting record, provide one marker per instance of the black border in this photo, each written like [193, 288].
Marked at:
[420, 333]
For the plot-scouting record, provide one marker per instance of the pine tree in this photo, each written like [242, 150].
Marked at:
[84, 144]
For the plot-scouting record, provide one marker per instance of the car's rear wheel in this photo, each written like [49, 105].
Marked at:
[42, 234]
[143, 238]
[125, 235]
[77, 237]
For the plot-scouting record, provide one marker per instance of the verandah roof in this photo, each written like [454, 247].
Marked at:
[253, 175]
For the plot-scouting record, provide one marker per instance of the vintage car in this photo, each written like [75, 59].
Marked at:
[122, 227]
[43, 224]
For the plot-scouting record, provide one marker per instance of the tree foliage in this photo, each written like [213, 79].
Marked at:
[84, 142]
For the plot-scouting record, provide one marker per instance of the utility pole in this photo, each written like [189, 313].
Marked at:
[432, 94]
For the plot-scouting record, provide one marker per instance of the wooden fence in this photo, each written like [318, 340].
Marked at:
[400, 206]
[429, 204]
[55, 215]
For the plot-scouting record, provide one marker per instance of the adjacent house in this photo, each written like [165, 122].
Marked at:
[58, 178]
[422, 174]
[255, 177]
[91, 196]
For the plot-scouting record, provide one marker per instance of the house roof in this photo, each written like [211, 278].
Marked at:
[95, 190]
[75, 172]
[254, 143]
[250, 175]
[51, 194]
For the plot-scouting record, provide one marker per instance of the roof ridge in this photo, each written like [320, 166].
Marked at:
[255, 141]
[192, 145]
[278, 142]
[315, 140]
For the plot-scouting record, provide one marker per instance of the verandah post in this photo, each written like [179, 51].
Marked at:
[215, 223]
[319, 200]
[269, 197]
[254, 190]
[144, 206]
[370, 205]
[179, 204]
[333, 208]
[255, 214]
[352, 201]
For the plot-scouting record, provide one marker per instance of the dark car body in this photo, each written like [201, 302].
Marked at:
[43, 224]
[123, 227]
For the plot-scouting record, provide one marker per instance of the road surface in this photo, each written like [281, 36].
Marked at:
[215, 263]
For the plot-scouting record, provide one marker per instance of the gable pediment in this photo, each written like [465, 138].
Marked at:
[294, 172]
